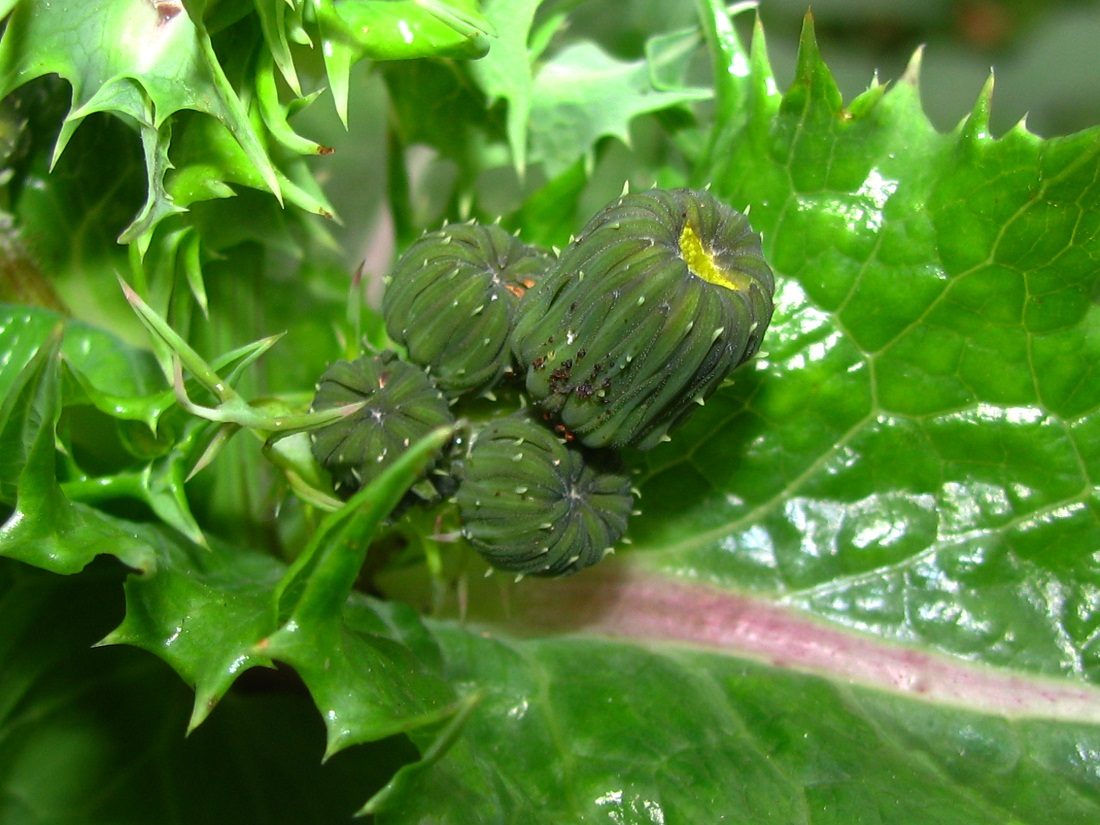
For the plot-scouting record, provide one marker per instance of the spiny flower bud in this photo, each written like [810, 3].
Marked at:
[644, 314]
[535, 505]
[400, 407]
[451, 301]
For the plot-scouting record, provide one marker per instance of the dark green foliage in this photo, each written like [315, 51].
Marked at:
[661, 295]
[451, 302]
[534, 504]
[400, 406]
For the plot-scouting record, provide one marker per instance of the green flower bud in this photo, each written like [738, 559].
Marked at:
[451, 302]
[535, 505]
[644, 314]
[401, 406]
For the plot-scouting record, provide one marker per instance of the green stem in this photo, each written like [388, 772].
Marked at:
[726, 53]
[103, 488]
[397, 187]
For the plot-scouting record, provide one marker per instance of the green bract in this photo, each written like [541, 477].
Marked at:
[400, 406]
[535, 505]
[451, 301]
[661, 295]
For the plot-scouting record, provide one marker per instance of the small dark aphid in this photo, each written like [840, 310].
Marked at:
[563, 431]
[560, 375]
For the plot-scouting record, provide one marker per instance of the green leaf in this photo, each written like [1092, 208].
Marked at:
[159, 204]
[274, 114]
[202, 613]
[395, 30]
[94, 359]
[505, 72]
[583, 94]
[139, 60]
[75, 720]
[104, 364]
[582, 729]
[71, 216]
[212, 614]
[334, 644]
[207, 160]
[282, 23]
[117, 384]
[911, 454]
[46, 528]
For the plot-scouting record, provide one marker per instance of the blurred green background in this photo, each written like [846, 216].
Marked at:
[1043, 53]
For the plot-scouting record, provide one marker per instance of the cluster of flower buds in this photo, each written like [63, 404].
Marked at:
[608, 345]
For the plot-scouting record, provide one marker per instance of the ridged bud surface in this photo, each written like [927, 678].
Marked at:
[644, 314]
[451, 300]
[533, 505]
[401, 406]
